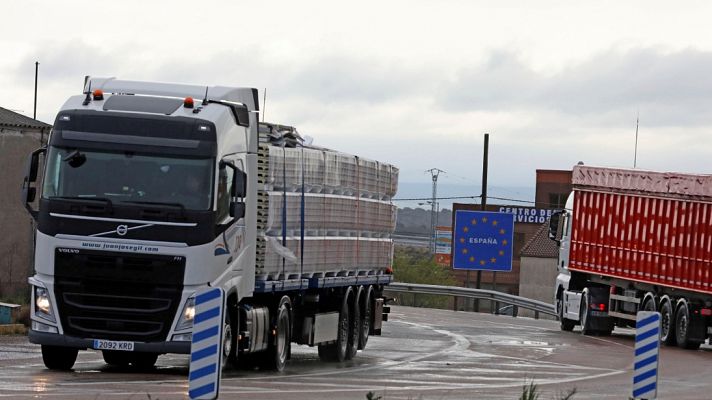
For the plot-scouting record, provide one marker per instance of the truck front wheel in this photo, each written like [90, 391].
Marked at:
[278, 350]
[116, 358]
[566, 324]
[59, 358]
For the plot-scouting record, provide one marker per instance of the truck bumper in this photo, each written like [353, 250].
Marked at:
[53, 339]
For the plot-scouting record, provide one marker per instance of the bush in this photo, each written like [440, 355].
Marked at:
[417, 265]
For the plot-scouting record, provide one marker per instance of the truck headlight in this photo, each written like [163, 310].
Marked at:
[186, 317]
[43, 304]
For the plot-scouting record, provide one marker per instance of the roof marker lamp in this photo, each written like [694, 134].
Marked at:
[188, 102]
[186, 317]
[43, 304]
[98, 94]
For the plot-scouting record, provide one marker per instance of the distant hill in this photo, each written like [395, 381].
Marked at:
[416, 221]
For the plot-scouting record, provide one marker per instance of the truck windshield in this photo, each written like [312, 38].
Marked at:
[129, 177]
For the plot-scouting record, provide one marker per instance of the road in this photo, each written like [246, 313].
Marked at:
[424, 354]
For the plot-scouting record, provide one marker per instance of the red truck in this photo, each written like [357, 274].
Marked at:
[633, 240]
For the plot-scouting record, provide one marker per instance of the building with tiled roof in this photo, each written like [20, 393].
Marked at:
[12, 120]
[540, 246]
[537, 274]
[19, 136]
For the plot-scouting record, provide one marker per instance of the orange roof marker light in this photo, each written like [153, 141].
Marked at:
[188, 102]
[98, 94]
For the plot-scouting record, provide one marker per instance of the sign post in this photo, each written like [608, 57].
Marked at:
[206, 345]
[647, 350]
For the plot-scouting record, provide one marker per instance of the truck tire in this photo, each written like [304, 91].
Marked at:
[354, 323]
[682, 328]
[278, 348]
[143, 361]
[565, 324]
[366, 316]
[116, 358]
[583, 315]
[59, 358]
[648, 303]
[667, 322]
[337, 351]
[229, 346]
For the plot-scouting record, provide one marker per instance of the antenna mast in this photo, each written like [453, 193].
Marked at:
[635, 155]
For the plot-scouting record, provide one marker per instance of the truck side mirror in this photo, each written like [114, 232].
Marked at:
[239, 186]
[28, 192]
[237, 210]
[242, 115]
[554, 225]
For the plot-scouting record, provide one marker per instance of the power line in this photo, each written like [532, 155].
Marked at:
[478, 197]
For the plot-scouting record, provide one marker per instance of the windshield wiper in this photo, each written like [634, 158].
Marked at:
[151, 212]
[155, 203]
[84, 199]
[90, 203]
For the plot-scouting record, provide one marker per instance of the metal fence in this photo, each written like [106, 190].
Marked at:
[482, 294]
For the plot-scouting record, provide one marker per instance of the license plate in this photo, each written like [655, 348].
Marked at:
[113, 345]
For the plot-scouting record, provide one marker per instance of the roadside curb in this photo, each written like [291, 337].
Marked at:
[13, 329]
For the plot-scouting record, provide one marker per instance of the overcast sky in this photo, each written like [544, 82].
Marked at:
[414, 83]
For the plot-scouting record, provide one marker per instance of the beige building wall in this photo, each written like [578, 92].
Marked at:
[16, 225]
[537, 281]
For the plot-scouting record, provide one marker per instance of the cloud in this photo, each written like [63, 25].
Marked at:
[669, 88]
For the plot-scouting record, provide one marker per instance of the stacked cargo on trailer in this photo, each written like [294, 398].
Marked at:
[149, 195]
[633, 240]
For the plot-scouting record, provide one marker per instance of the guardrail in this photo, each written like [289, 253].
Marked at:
[482, 294]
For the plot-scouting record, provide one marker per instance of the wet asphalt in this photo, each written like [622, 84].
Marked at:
[423, 354]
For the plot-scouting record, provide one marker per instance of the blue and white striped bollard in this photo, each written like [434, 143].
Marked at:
[647, 351]
[206, 344]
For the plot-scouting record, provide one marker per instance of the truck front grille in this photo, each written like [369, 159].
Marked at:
[117, 296]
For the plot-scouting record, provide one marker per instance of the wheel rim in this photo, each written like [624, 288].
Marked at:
[227, 341]
[584, 313]
[343, 333]
[282, 337]
[682, 326]
[665, 323]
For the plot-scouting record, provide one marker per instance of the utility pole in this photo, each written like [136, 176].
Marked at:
[37, 67]
[434, 173]
[483, 206]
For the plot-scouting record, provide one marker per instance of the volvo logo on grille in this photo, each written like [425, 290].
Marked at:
[121, 230]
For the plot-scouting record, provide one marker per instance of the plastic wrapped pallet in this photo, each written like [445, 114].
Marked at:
[339, 216]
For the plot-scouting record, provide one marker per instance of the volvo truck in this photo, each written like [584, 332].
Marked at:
[634, 240]
[147, 192]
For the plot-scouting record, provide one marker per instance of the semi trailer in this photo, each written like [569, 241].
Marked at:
[634, 240]
[151, 191]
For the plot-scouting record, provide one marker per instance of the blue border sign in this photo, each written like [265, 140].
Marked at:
[482, 240]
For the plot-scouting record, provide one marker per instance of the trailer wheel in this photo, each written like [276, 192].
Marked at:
[366, 311]
[667, 323]
[583, 314]
[682, 328]
[354, 323]
[566, 324]
[337, 351]
[116, 358]
[648, 303]
[59, 358]
[278, 349]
